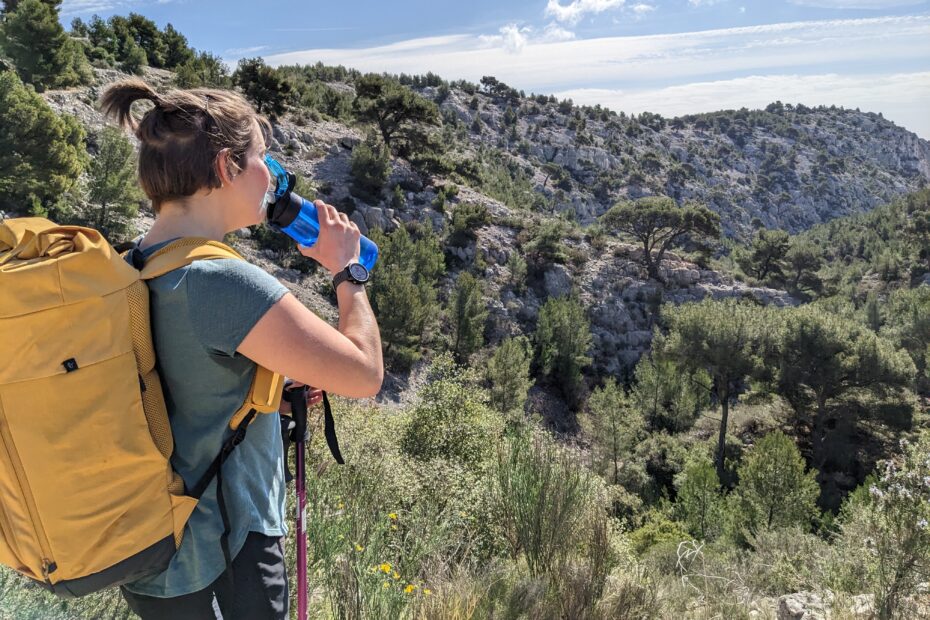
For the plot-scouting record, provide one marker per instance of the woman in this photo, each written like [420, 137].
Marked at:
[201, 164]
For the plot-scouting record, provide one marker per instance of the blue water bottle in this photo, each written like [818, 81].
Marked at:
[296, 216]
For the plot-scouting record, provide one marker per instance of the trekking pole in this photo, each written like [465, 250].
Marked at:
[298, 399]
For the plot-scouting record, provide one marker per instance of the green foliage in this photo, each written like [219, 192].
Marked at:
[908, 327]
[508, 373]
[396, 110]
[543, 244]
[667, 397]
[41, 154]
[543, 498]
[466, 219]
[113, 187]
[820, 357]
[698, 499]
[370, 168]
[203, 70]
[468, 313]
[263, 86]
[614, 427]
[133, 58]
[767, 255]
[658, 223]
[451, 419]
[917, 209]
[657, 530]
[403, 296]
[726, 339]
[891, 522]
[176, 51]
[42, 52]
[774, 490]
[516, 265]
[563, 338]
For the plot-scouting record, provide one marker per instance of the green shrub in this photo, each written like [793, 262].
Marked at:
[543, 498]
[774, 489]
[466, 219]
[451, 419]
[370, 168]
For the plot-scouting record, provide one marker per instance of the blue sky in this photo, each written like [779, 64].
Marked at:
[667, 56]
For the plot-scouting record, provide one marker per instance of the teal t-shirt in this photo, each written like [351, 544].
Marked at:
[200, 314]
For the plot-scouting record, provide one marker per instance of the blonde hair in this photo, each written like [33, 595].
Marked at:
[183, 134]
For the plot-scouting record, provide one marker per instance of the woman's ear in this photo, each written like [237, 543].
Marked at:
[224, 167]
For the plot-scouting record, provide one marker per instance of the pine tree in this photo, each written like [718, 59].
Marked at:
[724, 339]
[468, 313]
[508, 373]
[113, 187]
[42, 52]
[263, 86]
[820, 357]
[698, 498]
[658, 223]
[614, 426]
[177, 51]
[41, 154]
[669, 397]
[563, 338]
[396, 110]
[774, 489]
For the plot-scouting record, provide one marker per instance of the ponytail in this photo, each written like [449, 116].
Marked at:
[117, 100]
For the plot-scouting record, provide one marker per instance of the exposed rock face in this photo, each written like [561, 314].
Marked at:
[791, 167]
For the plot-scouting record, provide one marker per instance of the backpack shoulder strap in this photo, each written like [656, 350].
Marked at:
[264, 395]
[183, 252]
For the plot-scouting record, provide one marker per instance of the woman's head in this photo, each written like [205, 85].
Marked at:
[192, 140]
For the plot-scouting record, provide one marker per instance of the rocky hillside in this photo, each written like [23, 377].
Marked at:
[867, 160]
[789, 166]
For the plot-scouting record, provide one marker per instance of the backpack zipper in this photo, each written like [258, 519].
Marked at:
[12, 459]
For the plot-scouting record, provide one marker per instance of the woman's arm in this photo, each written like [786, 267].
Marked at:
[293, 341]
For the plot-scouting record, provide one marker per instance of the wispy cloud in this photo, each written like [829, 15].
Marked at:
[577, 9]
[245, 51]
[642, 9]
[704, 2]
[80, 7]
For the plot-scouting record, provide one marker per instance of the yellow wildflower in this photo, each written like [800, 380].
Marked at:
[385, 585]
[385, 568]
[393, 527]
[341, 506]
[396, 575]
[410, 588]
[358, 547]
[427, 591]
[393, 516]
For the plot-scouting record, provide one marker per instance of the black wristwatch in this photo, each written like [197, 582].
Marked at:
[353, 272]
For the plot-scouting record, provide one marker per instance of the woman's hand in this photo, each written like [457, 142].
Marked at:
[314, 397]
[338, 242]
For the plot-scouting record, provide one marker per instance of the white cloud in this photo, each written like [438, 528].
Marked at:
[245, 51]
[554, 32]
[80, 7]
[901, 97]
[856, 4]
[642, 9]
[704, 2]
[576, 9]
[545, 66]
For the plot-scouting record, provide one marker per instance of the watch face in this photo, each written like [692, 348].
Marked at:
[358, 271]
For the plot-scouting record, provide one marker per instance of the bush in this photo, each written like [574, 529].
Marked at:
[774, 490]
[893, 521]
[370, 168]
[543, 498]
[466, 219]
[451, 419]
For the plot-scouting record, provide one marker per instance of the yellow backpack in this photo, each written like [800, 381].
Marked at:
[88, 497]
